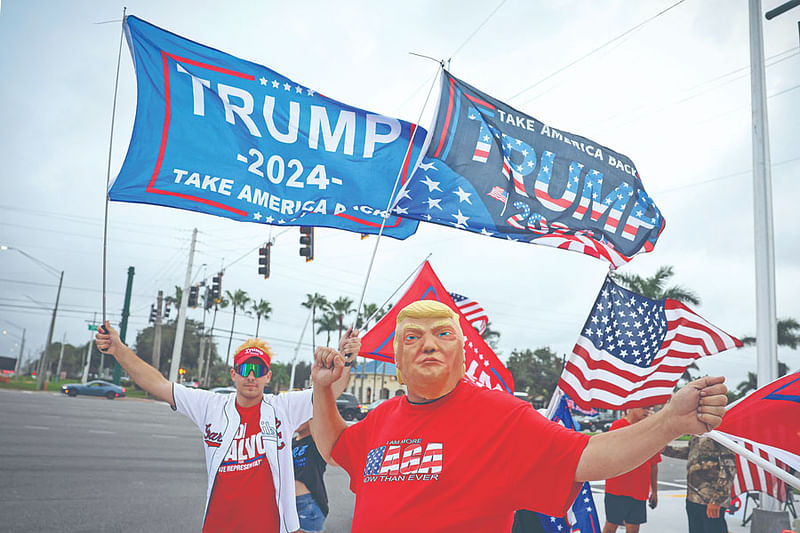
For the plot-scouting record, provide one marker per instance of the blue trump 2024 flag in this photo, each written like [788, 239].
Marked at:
[493, 170]
[227, 137]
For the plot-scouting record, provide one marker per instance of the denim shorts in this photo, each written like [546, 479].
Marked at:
[311, 517]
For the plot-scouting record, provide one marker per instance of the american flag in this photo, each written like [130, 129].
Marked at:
[750, 477]
[633, 350]
[582, 514]
[472, 310]
[374, 458]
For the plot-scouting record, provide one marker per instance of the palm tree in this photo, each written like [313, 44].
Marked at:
[653, 287]
[329, 321]
[788, 335]
[238, 300]
[175, 300]
[491, 336]
[342, 307]
[261, 308]
[367, 310]
[314, 301]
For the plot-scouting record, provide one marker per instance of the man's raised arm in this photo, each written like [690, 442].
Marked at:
[144, 375]
[327, 424]
[696, 408]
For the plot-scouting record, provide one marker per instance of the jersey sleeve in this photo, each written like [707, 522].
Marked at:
[192, 402]
[297, 405]
[544, 458]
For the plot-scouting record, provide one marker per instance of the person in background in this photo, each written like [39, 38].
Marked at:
[710, 471]
[627, 494]
[309, 485]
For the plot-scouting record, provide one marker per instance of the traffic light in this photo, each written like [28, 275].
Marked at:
[153, 313]
[209, 300]
[307, 242]
[167, 309]
[193, 290]
[216, 287]
[263, 260]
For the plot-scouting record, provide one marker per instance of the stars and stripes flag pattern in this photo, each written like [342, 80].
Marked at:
[472, 310]
[766, 422]
[582, 514]
[632, 350]
[750, 477]
[394, 460]
[494, 170]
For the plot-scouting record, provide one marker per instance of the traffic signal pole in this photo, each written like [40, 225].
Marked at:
[179, 330]
[157, 332]
[123, 326]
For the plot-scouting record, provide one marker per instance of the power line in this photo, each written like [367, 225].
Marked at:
[471, 35]
[618, 37]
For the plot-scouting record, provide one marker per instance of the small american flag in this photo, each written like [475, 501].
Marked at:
[374, 461]
[499, 194]
[472, 310]
[633, 350]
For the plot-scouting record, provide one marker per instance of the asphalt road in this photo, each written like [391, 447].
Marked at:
[95, 465]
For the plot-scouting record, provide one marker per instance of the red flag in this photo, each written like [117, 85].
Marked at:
[767, 423]
[483, 366]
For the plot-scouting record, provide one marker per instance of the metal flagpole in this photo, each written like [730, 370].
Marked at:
[402, 284]
[754, 458]
[766, 329]
[390, 205]
[108, 171]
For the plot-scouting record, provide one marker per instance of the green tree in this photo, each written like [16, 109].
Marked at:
[654, 287]
[315, 301]
[342, 307]
[789, 336]
[367, 310]
[328, 322]
[535, 372]
[238, 300]
[190, 352]
[262, 308]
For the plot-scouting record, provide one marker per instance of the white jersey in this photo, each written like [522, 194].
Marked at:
[217, 417]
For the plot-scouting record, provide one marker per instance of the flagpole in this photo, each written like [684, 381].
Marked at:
[415, 271]
[391, 203]
[108, 171]
[554, 401]
[754, 458]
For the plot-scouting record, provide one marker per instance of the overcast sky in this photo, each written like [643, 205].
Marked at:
[673, 95]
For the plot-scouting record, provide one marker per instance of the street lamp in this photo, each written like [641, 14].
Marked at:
[42, 372]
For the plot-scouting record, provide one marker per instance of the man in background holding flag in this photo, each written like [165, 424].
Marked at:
[450, 456]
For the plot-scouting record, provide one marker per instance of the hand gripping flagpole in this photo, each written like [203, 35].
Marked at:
[390, 205]
[108, 171]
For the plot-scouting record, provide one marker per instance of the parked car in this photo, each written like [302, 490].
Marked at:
[97, 387]
[348, 406]
[599, 422]
[223, 390]
[365, 409]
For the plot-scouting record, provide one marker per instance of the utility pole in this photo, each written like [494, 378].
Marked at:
[40, 379]
[61, 356]
[178, 346]
[766, 321]
[19, 359]
[123, 325]
[157, 333]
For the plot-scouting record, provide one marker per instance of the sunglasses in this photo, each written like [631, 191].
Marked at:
[257, 369]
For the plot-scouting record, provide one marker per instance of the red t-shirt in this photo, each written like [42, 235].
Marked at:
[635, 483]
[243, 497]
[462, 463]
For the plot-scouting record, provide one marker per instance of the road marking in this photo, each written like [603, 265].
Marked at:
[667, 483]
[102, 431]
[37, 427]
[164, 436]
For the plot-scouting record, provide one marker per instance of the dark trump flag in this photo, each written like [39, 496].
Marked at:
[228, 137]
[493, 170]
